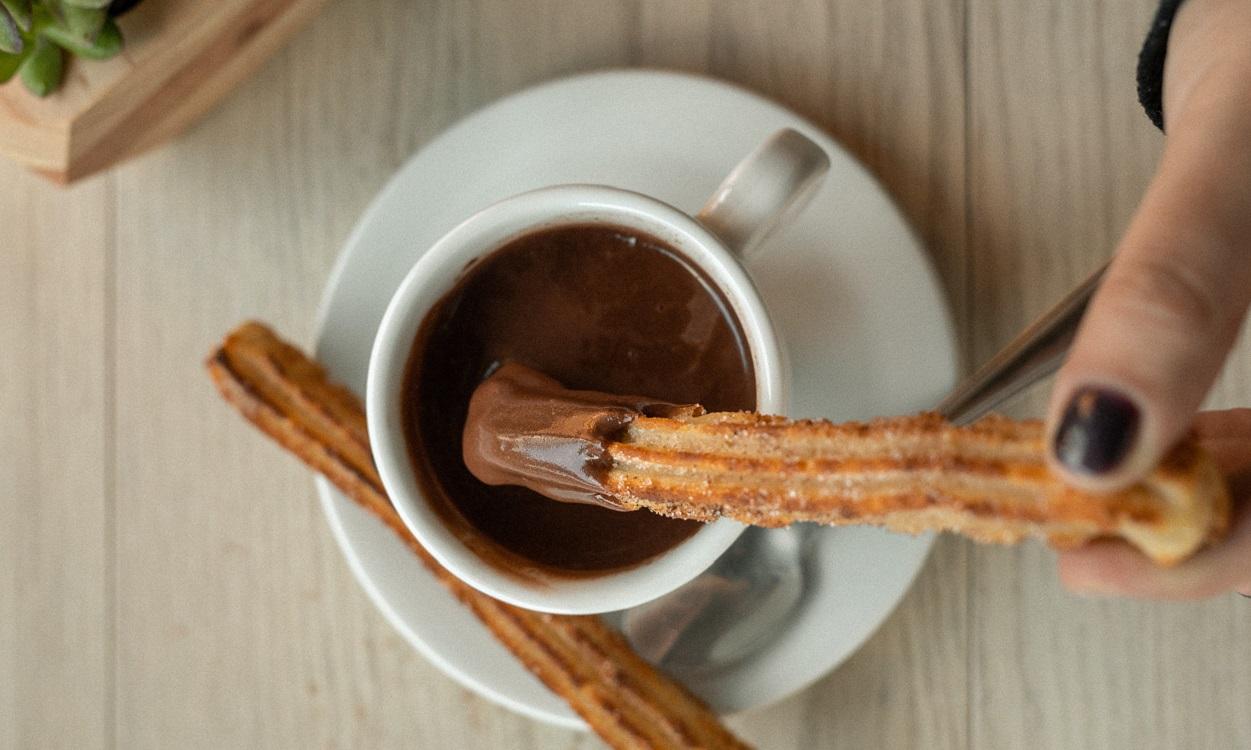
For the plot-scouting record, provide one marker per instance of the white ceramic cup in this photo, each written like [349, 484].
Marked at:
[770, 182]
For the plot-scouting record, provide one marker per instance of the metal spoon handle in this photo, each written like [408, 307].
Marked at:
[1033, 355]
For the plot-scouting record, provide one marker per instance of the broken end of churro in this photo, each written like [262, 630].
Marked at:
[1196, 506]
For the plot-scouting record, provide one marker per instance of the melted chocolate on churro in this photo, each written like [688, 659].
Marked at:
[597, 308]
[526, 429]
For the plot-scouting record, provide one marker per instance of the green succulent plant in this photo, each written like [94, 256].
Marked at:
[36, 35]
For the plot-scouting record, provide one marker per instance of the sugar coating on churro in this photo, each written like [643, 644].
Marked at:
[989, 480]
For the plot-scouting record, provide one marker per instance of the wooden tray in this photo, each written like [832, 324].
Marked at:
[181, 57]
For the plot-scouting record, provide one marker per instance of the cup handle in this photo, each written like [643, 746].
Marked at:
[776, 179]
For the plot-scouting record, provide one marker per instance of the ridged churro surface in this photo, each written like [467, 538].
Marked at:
[913, 474]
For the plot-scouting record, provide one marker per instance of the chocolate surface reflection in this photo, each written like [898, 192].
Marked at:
[597, 308]
[526, 429]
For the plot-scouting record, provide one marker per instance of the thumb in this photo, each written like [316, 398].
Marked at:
[1158, 330]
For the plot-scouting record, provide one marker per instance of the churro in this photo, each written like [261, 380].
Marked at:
[625, 700]
[988, 481]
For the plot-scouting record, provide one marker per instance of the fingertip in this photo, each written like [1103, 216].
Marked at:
[1115, 568]
[1100, 568]
[1150, 344]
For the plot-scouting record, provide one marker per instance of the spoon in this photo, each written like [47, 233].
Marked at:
[738, 607]
[730, 610]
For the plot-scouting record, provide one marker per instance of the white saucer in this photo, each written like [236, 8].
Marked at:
[849, 286]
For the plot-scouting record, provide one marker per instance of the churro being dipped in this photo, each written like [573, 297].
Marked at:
[988, 481]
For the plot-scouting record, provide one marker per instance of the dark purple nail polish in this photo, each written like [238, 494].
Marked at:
[1097, 431]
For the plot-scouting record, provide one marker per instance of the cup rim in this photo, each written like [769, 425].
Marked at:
[433, 275]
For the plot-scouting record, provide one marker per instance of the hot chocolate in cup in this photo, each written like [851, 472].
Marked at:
[450, 321]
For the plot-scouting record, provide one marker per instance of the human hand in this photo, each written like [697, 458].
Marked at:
[1116, 569]
[1158, 331]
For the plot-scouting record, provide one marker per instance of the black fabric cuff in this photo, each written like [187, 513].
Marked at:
[1151, 62]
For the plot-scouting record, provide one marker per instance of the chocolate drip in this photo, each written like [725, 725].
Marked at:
[526, 429]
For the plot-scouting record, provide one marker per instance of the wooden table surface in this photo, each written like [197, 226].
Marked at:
[166, 577]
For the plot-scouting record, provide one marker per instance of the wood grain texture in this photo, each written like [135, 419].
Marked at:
[1059, 156]
[1006, 130]
[55, 595]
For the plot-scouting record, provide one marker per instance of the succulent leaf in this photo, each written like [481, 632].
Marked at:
[85, 22]
[10, 35]
[20, 10]
[36, 36]
[9, 65]
[42, 71]
[108, 41]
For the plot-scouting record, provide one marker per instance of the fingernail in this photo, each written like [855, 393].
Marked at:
[1097, 431]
